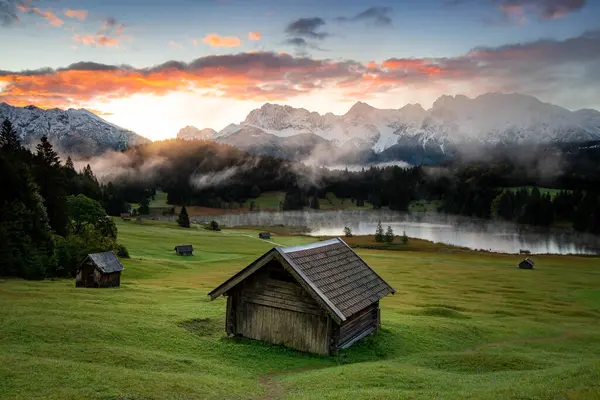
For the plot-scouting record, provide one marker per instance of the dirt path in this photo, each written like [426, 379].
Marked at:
[252, 237]
[273, 389]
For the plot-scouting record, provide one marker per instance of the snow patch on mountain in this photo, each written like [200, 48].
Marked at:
[193, 133]
[492, 118]
[72, 131]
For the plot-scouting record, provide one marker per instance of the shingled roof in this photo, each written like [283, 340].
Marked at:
[106, 262]
[330, 270]
[184, 248]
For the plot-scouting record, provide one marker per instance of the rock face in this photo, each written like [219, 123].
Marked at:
[453, 121]
[193, 133]
[77, 132]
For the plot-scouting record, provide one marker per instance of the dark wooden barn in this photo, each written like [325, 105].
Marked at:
[264, 235]
[125, 216]
[99, 270]
[526, 264]
[317, 298]
[184, 250]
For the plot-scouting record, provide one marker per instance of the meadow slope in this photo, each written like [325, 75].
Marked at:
[463, 325]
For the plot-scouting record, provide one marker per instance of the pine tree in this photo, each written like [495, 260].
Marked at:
[52, 183]
[184, 219]
[379, 233]
[404, 238]
[45, 151]
[389, 235]
[9, 139]
[348, 231]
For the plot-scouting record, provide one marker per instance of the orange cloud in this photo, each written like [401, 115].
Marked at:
[254, 36]
[77, 14]
[46, 14]
[97, 40]
[215, 40]
[265, 76]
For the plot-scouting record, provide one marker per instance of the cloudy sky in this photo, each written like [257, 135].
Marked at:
[155, 66]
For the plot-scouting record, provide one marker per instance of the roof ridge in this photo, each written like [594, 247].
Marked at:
[315, 245]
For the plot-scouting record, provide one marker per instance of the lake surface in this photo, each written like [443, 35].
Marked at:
[474, 233]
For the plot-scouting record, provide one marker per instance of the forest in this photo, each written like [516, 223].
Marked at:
[203, 173]
[52, 214]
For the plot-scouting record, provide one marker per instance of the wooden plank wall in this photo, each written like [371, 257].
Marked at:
[362, 321]
[279, 311]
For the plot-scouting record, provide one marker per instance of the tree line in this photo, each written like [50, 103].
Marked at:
[51, 216]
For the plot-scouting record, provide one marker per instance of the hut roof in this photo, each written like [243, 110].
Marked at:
[184, 247]
[106, 262]
[330, 271]
[528, 261]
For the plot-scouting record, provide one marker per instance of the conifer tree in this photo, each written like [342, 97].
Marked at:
[52, 184]
[9, 139]
[184, 219]
[389, 235]
[379, 233]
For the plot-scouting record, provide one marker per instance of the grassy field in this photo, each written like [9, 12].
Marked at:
[551, 192]
[463, 325]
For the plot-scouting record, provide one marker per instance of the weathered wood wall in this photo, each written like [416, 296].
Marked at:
[361, 324]
[272, 307]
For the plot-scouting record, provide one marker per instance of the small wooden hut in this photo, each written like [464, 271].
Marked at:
[264, 235]
[99, 270]
[125, 216]
[526, 264]
[317, 298]
[184, 250]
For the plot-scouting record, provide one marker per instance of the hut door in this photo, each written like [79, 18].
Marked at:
[89, 277]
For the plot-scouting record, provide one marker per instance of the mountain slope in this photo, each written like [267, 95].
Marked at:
[78, 132]
[193, 133]
[452, 122]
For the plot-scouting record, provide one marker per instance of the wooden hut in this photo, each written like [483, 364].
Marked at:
[526, 264]
[317, 298]
[264, 235]
[125, 216]
[99, 270]
[184, 250]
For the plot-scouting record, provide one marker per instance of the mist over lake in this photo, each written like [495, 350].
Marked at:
[473, 233]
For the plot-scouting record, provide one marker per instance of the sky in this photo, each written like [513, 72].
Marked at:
[155, 66]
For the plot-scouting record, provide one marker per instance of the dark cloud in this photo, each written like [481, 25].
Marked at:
[307, 28]
[9, 12]
[373, 15]
[551, 68]
[518, 9]
[545, 9]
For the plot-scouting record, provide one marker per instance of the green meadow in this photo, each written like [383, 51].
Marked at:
[462, 325]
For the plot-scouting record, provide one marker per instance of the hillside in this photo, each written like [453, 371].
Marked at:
[463, 325]
[77, 132]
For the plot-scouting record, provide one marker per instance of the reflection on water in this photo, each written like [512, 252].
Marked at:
[468, 232]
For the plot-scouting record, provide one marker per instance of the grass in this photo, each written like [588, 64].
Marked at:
[160, 200]
[424, 205]
[267, 201]
[463, 324]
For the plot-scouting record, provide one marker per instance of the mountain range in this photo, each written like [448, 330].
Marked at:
[411, 132]
[364, 134]
[71, 131]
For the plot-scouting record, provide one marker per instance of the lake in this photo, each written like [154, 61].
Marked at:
[473, 233]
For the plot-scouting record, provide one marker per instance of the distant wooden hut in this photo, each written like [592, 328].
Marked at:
[522, 251]
[264, 235]
[526, 264]
[99, 270]
[317, 298]
[125, 216]
[184, 250]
